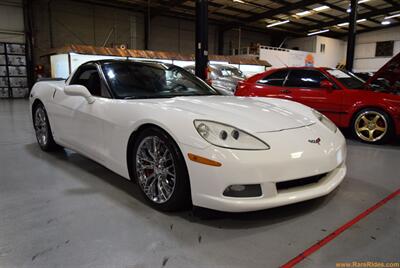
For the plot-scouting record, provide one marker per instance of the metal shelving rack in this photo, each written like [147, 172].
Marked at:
[13, 71]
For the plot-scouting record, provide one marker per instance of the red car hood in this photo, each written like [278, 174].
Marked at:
[389, 72]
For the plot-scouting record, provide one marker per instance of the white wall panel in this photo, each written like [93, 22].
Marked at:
[365, 60]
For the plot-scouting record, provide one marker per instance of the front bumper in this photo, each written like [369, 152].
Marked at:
[290, 158]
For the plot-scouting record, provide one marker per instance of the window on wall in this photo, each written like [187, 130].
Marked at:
[322, 48]
[384, 49]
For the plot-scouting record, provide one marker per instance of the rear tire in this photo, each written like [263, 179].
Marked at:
[160, 170]
[372, 126]
[42, 128]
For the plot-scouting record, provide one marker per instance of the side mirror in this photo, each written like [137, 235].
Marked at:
[326, 84]
[79, 90]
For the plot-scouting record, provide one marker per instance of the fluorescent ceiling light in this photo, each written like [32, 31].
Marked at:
[277, 23]
[392, 16]
[239, 1]
[346, 23]
[304, 13]
[385, 22]
[348, 10]
[321, 8]
[318, 32]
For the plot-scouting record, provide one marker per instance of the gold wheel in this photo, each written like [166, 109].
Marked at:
[371, 126]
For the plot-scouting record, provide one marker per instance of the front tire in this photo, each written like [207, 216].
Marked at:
[160, 170]
[42, 128]
[372, 126]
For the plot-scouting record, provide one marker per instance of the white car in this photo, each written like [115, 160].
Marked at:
[183, 143]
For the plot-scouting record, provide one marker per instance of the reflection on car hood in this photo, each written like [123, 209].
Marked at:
[250, 114]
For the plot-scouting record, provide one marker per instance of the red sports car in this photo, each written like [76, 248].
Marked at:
[370, 109]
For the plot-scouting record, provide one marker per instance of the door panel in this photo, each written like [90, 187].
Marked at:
[64, 117]
[89, 128]
[80, 125]
[304, 87]
[328, 102]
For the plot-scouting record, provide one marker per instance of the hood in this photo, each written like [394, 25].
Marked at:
[388, 76]
[254, 115]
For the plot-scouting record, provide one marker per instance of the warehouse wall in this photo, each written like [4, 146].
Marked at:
[328, 51]
[70, 22]
[178, 35]
[308, 44]
[231, 39]
[334, 53]
[11, 21]
[364, 58]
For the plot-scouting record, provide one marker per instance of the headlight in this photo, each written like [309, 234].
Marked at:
[227, 136]
[325, 120]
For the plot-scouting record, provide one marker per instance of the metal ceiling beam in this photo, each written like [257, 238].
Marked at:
[168, 6]
[234, 9]
[242, 11]
[380, 28]
[365, 15]
[335, 7]
[142, 9]
[286, 3]
[338, 35]
[370, 8]
[393, 3]
[273, 12]
[321, 13]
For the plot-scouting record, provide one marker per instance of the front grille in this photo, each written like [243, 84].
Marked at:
[299, 182]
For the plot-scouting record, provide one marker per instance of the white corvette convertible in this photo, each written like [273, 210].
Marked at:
[183, 143]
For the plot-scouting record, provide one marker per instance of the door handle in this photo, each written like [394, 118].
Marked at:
[286, 91]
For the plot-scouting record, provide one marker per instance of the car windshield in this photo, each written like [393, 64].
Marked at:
[138, 80]
[348, 79]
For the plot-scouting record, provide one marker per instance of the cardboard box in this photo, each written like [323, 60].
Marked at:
[3, 71]
[16, 60]
[4, 92]
[3, 82]
[17, 70]
[20, 92]
[15, 49]
[18, 82]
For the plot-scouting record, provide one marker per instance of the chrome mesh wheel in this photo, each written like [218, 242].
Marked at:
[155, 169]
[41, 126]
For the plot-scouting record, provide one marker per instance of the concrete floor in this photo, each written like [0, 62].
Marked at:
[64, 210]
